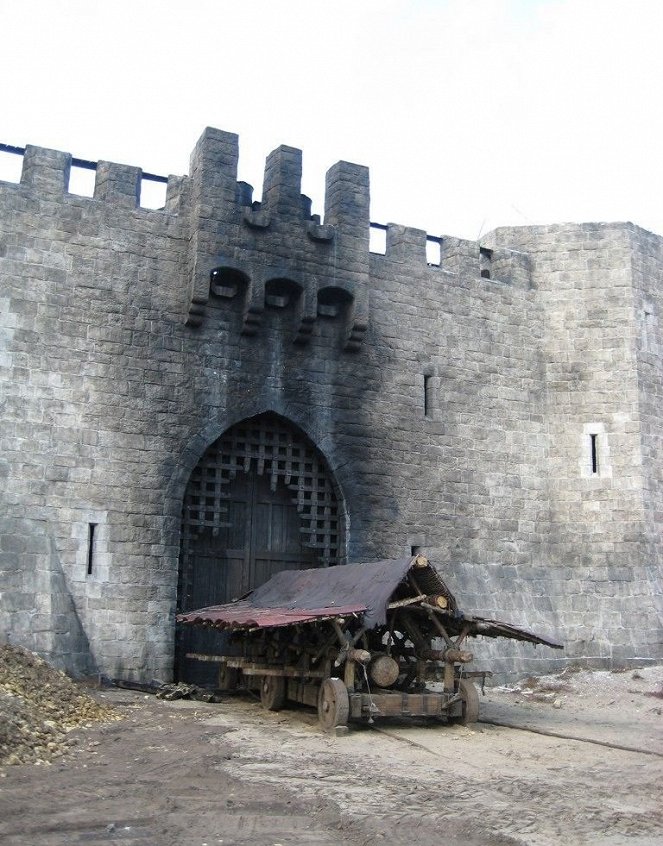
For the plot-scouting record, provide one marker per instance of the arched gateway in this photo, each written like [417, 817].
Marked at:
[261, 499]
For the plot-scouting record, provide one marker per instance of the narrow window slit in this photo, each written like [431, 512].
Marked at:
[485, 262]
[593, 443]
[90, 547]
[428, 396]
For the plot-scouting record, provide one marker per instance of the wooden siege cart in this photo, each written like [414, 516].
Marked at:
[357, 641]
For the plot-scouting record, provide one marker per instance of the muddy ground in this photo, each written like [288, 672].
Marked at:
[204, 774]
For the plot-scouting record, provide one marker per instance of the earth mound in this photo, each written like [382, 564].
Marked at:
[39, 707]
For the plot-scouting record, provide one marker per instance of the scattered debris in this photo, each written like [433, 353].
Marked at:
[185, 691]
[658, 694]
[39, 706]
[545, 684]
[575, 684]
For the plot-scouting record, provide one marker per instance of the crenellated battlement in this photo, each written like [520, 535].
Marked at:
[214, 162]
[48, 173]
[275, 243]
[407, 245]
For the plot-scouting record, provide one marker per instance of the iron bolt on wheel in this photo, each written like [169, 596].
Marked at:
[273, 692]
[333, 704]
[470, 702]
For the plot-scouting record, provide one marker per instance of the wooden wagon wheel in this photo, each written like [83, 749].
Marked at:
[273, 692]
[333, 704]
[228, 677]
[470, 702]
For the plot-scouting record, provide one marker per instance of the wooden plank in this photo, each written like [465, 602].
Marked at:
[285, 672]
[305, 694]
[198, 656]
[254, 668]
[401, 704]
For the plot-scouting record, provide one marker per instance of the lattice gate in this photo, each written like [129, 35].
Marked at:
[260, 500]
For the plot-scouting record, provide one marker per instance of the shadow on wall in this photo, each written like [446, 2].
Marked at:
[523, 602]
[41, 613]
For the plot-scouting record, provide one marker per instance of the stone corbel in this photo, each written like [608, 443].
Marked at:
[254, 307]
[320, 232]
[256, 218]
[307, 315]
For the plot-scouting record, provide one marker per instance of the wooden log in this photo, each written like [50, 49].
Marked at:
[433, 654]
[344, 638]
[361, 656]
[414, 584]
[384, 671]
[438, 600]
[458, 656]
[449, 678]
[403, 603]
[349, 675]
[327, 645]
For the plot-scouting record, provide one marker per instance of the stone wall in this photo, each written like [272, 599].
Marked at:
[453, 403]
[647, 268]
[604, 571]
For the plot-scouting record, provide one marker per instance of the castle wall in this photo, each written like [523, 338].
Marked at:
[603, 574]
[647, 268]
[91, 293]
[451, 407]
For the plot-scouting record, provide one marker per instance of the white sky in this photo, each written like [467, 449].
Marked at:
[469, 113]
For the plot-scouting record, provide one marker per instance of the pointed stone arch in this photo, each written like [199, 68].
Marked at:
[262, 498]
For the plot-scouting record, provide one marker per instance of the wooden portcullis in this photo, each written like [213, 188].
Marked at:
[357, 642]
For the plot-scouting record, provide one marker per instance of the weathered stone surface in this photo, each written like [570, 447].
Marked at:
[457, 405]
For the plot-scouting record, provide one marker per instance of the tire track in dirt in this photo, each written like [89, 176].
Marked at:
[231, 773]
[594, 805]
[534, 791]
[155, 778]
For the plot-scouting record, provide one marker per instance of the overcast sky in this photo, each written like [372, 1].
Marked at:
[469, 113]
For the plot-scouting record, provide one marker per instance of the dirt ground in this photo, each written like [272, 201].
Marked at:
[230, 773]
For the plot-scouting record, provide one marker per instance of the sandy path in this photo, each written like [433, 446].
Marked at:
[195, 773]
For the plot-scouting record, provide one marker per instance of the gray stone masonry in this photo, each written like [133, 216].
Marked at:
[502, 410]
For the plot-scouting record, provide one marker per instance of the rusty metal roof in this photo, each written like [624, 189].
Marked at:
[241, 615]
[300, 595]
[370, 586]
[303, 596]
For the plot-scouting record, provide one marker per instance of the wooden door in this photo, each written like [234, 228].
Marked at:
[261, 536]
[260, 500]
